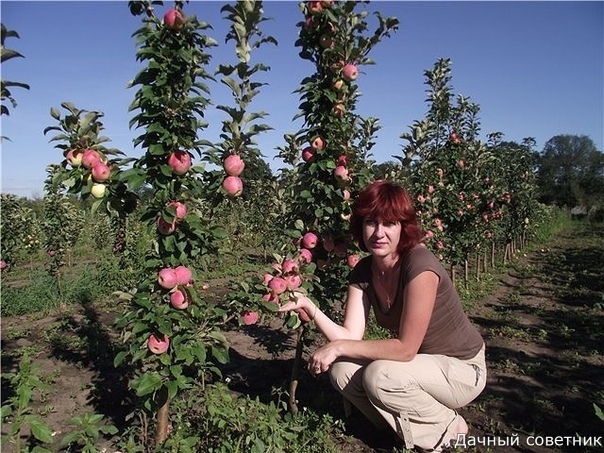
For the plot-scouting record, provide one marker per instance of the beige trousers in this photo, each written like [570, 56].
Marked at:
[416, 398]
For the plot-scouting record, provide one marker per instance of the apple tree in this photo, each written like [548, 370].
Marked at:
[172, 334]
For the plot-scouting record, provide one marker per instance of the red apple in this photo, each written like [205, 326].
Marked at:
[293, 281]
[317, 143]
[158, 345]
[179, 299]
[315, 7]
[350, 72]
[308, 154]
[341, 172]
[233, 165]
[289, 265]
[250, 317]
[310, 240]
[174, 19]
[353, 260]
[90, 158]
[167, 278]
[277, 285]
[233, 186]
[342, 160]
[180, 162]
[101, 172]
[181, 209]
[305, 256]
[165, 227]
[183, 275]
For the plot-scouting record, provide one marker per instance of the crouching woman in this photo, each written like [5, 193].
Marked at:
[434, 363]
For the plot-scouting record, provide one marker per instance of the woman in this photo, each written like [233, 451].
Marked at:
[435, 361]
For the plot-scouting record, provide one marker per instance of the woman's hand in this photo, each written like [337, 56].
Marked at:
[300, 304]
[320, 361]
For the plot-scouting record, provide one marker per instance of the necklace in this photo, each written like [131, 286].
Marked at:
[385, 282]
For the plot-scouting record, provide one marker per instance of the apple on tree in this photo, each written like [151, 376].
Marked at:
[233, 165]
[174, 19]
[233, 186]
[98, 190]
[180, 162]
[350, 72]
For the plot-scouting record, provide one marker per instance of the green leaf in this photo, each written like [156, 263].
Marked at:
[40, 430]
[147, 383]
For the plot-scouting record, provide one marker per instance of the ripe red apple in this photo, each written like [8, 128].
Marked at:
[342, 160]
[270, 297]
[90, 158]
[315, 7]
[310, 240]
[289, 265]
[180, 162]
[317, 143]
[250, 317]
[353, 260]
[158, 345]
[277, 285]
[308, 154]
[341, 172]
[350, 72]
[346, 194]
[174, 19]
[303, 315]
[455, 138]
[183, 275]
[98, 190]
[101, 172]
[266, 278]
[181, 209]
[165, 227]
[233, 165]
[167, 278]
[293, 281]
[305, 256]
[179, 299]
[233, 186]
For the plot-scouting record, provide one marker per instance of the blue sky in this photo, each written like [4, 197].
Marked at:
[535, 68]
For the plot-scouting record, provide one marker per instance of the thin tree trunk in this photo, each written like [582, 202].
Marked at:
[293, 383]
[161, 433]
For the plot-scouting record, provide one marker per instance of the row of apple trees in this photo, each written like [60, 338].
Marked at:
[473, 198]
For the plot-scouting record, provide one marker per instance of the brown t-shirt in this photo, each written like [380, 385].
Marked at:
[450, 332]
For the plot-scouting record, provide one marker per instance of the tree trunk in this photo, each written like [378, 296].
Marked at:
[293, 383]
[161, 433]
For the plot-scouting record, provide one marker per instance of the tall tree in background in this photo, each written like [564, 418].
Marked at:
[570, 171]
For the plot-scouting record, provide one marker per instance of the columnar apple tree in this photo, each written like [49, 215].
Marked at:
[329, 155]
[241, 127]
[171, 333]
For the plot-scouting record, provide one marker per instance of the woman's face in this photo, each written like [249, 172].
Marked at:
[381, 238]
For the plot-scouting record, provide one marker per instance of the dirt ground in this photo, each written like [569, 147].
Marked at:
[543, 324]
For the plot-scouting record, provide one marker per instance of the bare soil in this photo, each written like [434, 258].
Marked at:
[543, 323]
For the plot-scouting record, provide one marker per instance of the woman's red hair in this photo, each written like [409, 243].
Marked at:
[385, 201]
